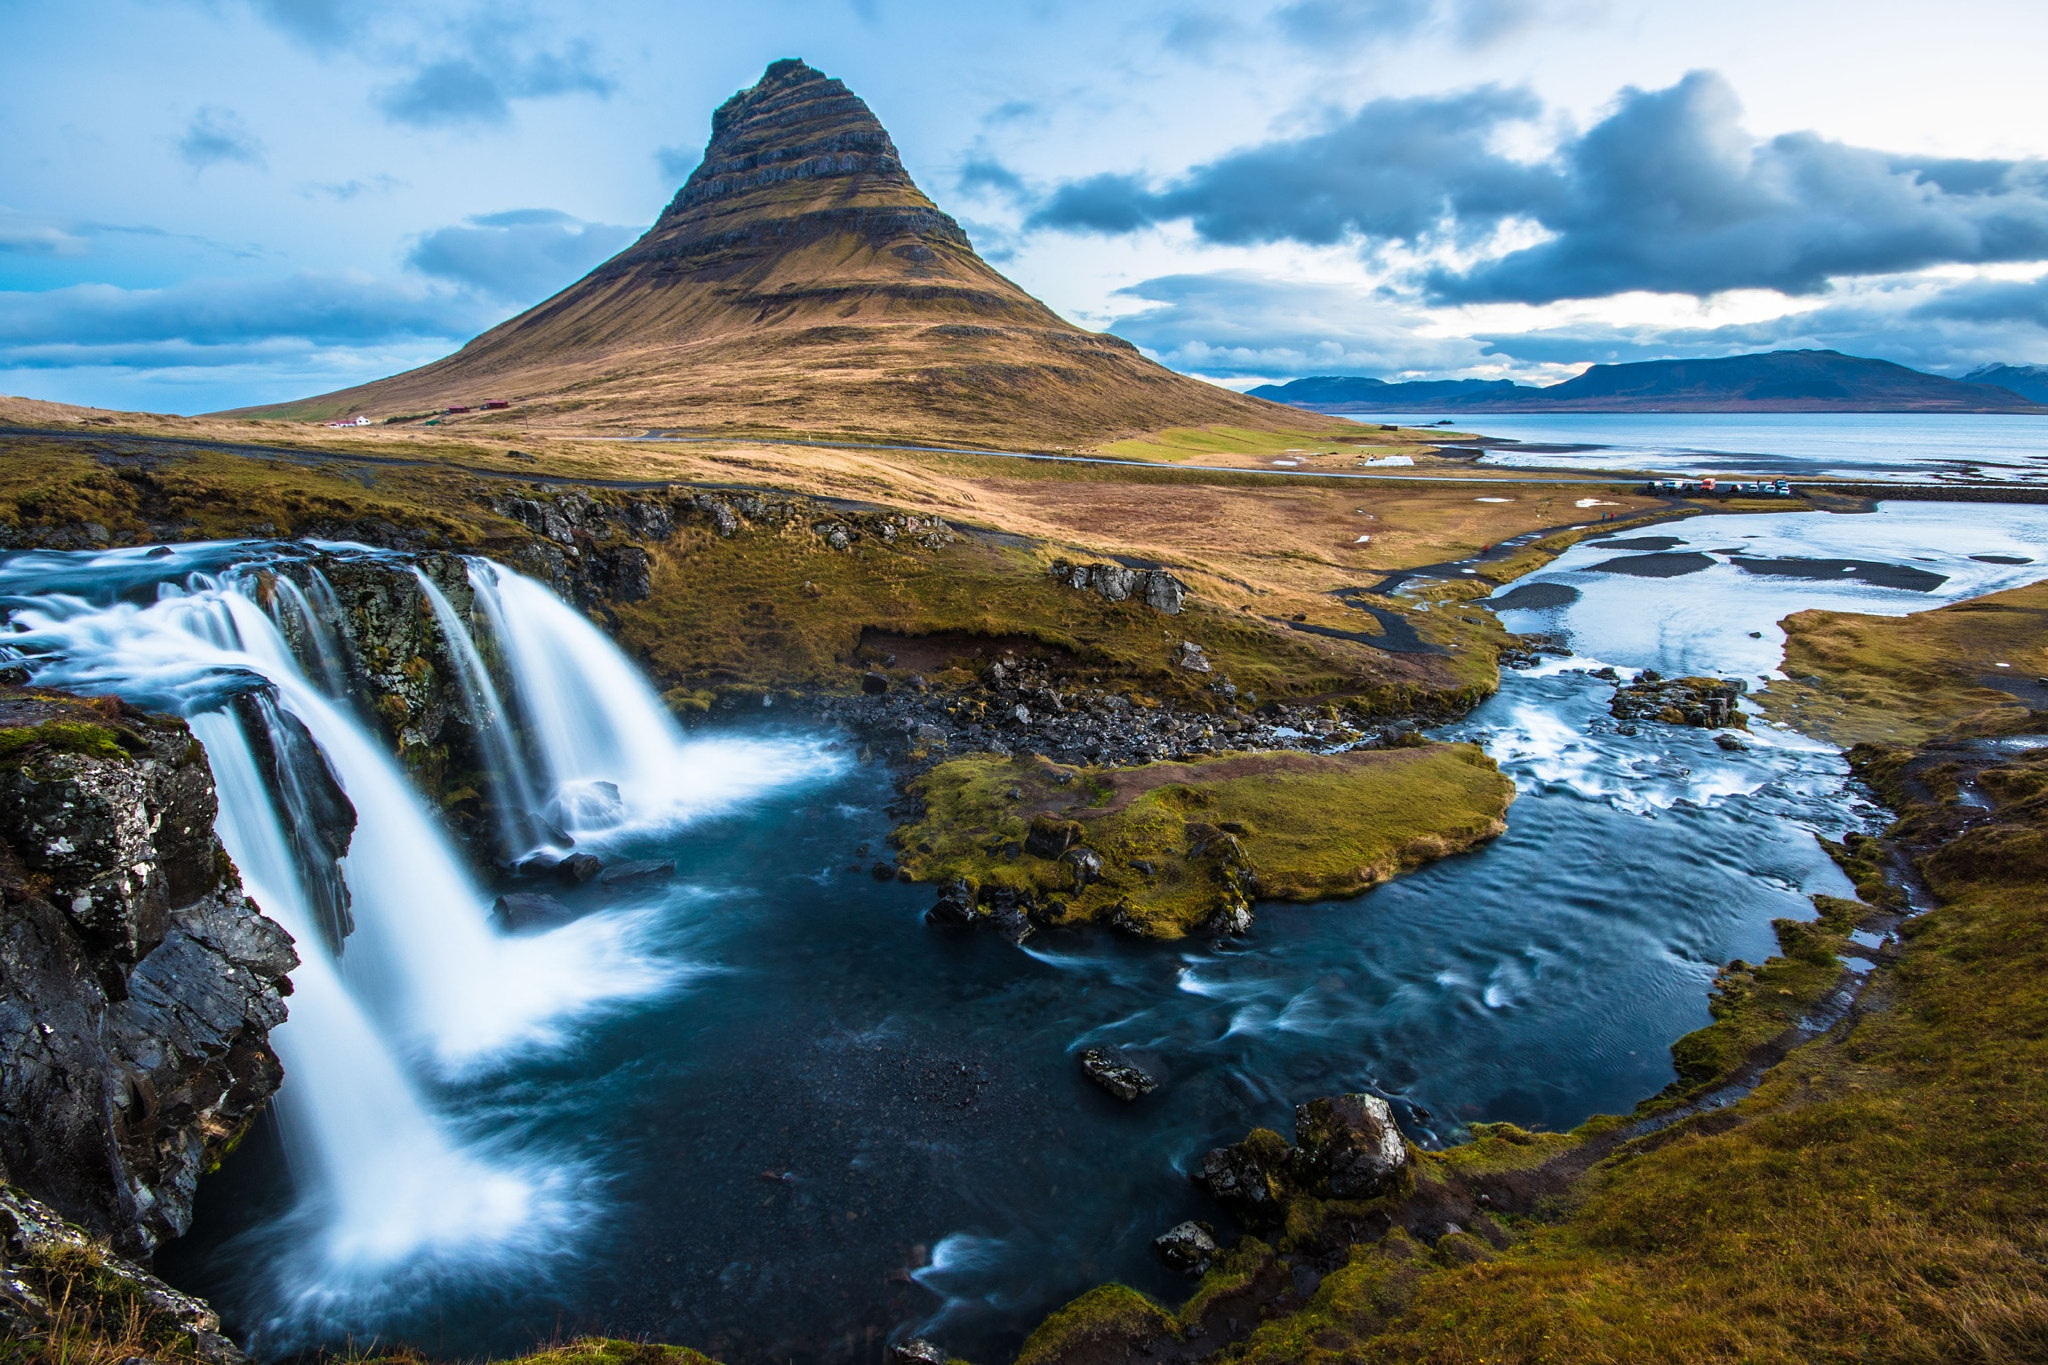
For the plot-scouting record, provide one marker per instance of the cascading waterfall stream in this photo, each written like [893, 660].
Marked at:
[514, 804]
[295, 602]
[425, 989]
[387, 1180]
[614, 759]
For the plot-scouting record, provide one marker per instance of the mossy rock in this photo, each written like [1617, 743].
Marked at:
[1100, 1321]
[63, 737]
[1179, 842]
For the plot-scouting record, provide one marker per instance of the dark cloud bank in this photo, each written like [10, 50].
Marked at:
[1667, 193]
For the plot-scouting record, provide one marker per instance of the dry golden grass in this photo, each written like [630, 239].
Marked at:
[1893, 680]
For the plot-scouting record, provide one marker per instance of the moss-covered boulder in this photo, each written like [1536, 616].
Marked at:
[1167, 848]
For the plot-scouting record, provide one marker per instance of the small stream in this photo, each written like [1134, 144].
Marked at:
[780, 1118]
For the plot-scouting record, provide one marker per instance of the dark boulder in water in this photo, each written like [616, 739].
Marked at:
[639, 870]
[578, 868]
[521, 912]
[1116, 1075]
[1250, 1178]
[542, 864]
[320, 819]
[1707, 703]
[1188, 1247]
[955, 905]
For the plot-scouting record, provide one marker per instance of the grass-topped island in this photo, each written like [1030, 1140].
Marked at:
[1165, 848]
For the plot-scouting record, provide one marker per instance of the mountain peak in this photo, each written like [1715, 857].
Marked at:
[796, 162]
[800, 280]
[795, 124]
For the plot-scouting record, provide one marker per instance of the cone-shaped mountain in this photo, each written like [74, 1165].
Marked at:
[800, 281]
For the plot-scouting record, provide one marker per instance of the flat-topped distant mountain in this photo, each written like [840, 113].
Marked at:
[800, 282]
[2028, 381]
[1779, 381]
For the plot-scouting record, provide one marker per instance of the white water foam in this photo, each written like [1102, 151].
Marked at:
[387, 1182]
[597, 725]
[391, 1197]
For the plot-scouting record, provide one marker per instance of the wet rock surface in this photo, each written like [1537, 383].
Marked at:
[1706, 703]
[639, 871]
[1348, 1147]
[1116, 1074]
[917, 1351]
[137, 983]
[519, 912]
[1250, 1178]
[1188, 1247]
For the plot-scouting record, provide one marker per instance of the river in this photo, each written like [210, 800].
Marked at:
[763, 1109]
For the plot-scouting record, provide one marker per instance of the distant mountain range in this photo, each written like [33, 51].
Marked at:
[1779, 381]
[2028, 381]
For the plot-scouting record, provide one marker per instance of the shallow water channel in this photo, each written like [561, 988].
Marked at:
[838, 1126]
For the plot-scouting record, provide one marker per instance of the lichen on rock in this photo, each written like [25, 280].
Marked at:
[137, 983]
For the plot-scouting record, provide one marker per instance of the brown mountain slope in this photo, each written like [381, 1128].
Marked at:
[801, 282]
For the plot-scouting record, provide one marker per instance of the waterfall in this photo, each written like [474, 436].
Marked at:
[425, 957]
[513, 803]
[389, 1021]
[613, 759]
[290, 601]
[386, 1175]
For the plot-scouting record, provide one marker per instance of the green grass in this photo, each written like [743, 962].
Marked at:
[1108, 1313]
[1881, 1196]
[1306, 826]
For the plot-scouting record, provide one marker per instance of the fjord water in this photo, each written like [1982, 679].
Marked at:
[1909, 446]
[766, 1111]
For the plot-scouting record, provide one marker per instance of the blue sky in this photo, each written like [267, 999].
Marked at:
[206, 203]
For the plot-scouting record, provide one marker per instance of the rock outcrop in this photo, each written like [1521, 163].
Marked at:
[137, 983]
[1346, 1147]
[55, 1279]
[1156, 588]
[1706, 703]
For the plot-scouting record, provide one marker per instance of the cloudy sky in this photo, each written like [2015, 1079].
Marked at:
[206, 203]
